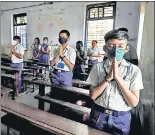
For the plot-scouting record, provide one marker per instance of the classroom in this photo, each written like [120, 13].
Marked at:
[77, 68]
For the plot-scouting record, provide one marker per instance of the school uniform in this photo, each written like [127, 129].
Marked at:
[110, 112]
[79, 65]
[18, 63]
[44, 57]
[36, 49]
[93, 60]
[61, 74]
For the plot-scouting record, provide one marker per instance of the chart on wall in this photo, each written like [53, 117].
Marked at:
[49, 25]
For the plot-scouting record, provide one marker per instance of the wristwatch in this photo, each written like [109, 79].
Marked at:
[108, 80]
[62, 57]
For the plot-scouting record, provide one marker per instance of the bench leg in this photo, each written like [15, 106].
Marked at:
[8, 130]
[41, 93]
[41, 105]
[25, 83]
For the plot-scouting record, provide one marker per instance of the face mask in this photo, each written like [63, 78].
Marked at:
[45, 42]
[62, 40]
[78, 47]
[36, 42]
[14, 42]
[116, 52]
[119, 54]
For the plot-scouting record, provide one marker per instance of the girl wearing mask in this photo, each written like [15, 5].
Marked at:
[80, 58]
[36, 48]
[45, 51]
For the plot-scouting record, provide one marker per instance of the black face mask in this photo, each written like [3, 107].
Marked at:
[62, 40]
[78, 47]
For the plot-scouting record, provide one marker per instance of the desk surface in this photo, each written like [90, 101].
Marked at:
[50, 122]
[7, 75]
[60, 87]
[10, 68]
[77, 81]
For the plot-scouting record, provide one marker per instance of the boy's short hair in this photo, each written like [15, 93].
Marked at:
[65, 31]
[95, 41]
[123, 29]
[79, 43]
[17, 37]
[116, 34]
[37, 38]
[45, 38]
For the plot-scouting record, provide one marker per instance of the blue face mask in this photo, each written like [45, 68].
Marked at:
[62, 40]
[116, 52]
[119, 53]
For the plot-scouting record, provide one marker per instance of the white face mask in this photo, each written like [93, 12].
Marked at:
[45, 42]
[14, 42]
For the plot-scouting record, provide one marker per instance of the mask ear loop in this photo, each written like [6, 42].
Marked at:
[105, 48]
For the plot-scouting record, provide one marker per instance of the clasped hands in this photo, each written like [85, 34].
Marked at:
[61, 51]
[114, 72]
[12, 49]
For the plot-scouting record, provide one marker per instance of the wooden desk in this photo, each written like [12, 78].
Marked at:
[8, 76]
[5, 91]
[43, 83]
[77, 81]
[49, 122]
[43, 64]
[12, 69]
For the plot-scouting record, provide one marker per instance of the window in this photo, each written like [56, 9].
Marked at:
[99, 20]
[20, 27]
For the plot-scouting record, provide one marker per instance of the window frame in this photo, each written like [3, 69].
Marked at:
[19, 24]
[105, 4]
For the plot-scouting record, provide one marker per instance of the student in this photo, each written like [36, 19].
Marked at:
[93, 53]
[44, 53]
[131, 55]
[116, 87]
[36, 47]
[80, 58]
[64, 61]
[16, 54]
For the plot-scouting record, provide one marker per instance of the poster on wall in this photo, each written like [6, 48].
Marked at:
[49, 25]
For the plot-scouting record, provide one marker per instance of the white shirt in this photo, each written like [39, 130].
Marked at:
[70, 54]
[93, 51]
[50, 54]
[18, 49]
[112, 96]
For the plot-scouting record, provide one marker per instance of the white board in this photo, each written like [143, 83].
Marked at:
[50, 25]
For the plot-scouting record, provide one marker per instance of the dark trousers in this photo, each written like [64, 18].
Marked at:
[117, 123]
[62, 78]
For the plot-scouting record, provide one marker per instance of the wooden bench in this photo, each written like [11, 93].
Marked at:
[46, 121]
[81, 84]
[26, 79]
[58, 89]
[5, 64]
[81, 76]
[43, 83]
[77, 108]
[43, 64]
[5, 91]
[12, 69]
[6, 77]
[77, 81]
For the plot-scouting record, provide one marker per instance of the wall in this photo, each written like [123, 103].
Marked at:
[147, 52]
[127, 15]
[73, 15]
